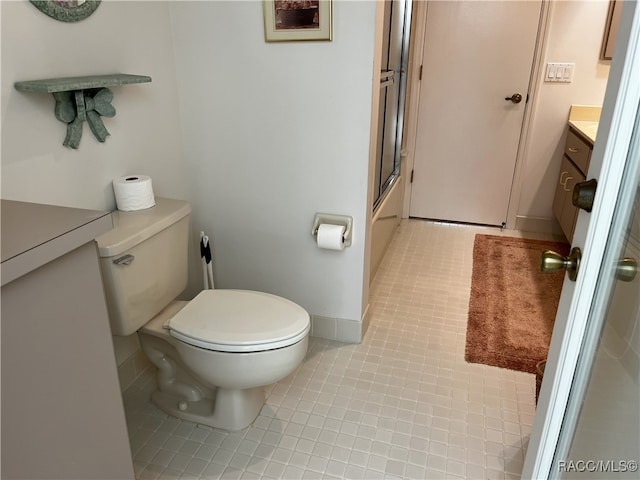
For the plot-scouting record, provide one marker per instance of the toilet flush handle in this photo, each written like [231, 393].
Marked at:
[124, 260]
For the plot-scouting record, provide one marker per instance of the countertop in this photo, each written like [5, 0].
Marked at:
[585, 119]
[34, 234]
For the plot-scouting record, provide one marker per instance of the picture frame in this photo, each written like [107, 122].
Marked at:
[297, 20]
[611, 30]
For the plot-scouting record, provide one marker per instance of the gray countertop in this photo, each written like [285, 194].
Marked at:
[33, 234]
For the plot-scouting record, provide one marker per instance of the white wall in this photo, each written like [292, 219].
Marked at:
[575, 35]
[273, 133]
[120, 37]
[257, 136]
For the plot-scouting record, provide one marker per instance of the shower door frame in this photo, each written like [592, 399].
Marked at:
[393, 83]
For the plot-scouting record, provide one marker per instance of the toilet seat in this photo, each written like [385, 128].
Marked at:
[239, 321]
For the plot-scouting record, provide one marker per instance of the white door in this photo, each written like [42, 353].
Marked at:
[573, 357]
[604, 405]
[476, 57]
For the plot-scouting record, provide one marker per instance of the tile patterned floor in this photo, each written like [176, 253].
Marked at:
[403, 404]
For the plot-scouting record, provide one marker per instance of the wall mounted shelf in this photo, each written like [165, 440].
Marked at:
[82, 98]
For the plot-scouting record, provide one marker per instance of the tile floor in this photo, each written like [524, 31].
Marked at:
[403, 404]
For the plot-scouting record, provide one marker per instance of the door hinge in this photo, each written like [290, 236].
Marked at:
[411, 177]
[420, 73]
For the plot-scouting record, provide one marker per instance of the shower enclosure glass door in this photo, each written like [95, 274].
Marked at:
[393, 79]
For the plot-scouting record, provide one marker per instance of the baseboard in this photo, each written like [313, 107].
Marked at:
[132, 368]
[340, 329]
[366, 319]
[547, 225]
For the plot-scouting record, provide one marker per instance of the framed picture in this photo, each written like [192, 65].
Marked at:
[611, 30]
[293, 20]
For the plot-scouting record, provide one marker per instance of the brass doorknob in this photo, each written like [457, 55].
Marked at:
[515, 98]
[626, 269]
[551, 261]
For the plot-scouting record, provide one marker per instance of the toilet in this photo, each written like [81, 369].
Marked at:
[215, 353]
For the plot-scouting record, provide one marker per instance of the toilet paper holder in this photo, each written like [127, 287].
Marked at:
[332, 219]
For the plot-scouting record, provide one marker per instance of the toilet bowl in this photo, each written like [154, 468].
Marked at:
[236, 342]
[215, 353]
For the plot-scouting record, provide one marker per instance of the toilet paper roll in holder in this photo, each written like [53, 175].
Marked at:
[332, 219]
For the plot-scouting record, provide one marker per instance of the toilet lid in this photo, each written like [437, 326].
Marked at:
[239, 321]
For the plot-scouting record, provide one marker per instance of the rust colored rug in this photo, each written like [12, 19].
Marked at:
[513, 304]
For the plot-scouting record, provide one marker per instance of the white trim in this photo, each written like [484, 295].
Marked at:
[538, 224]
[373, 139]
[535, 83]
[340, 329]
[365, 321]
[609, 156]
[416, 47]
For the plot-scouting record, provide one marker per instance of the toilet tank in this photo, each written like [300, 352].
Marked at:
[144, 262]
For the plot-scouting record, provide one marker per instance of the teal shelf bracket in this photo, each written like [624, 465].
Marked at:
[80, 99]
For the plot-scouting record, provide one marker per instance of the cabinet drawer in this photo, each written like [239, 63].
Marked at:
[578, 150]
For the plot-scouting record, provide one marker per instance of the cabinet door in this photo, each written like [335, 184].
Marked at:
[569, 212]
[559, 198]
[62, 413]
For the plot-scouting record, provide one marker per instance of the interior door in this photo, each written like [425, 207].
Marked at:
[566, 404]
[476, 69]
[604, 405]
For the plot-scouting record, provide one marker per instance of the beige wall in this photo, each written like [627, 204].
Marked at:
[574, 36]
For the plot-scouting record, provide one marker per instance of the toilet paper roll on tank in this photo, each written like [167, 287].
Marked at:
[133, 192]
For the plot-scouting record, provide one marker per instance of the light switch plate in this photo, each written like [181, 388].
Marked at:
[559, 72]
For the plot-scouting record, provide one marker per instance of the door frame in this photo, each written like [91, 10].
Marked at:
[609, 157]
[416, 47]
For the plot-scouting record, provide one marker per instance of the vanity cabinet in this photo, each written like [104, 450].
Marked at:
[62, 411]
[573, 169]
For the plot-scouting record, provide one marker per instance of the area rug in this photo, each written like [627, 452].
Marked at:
[513, 304]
